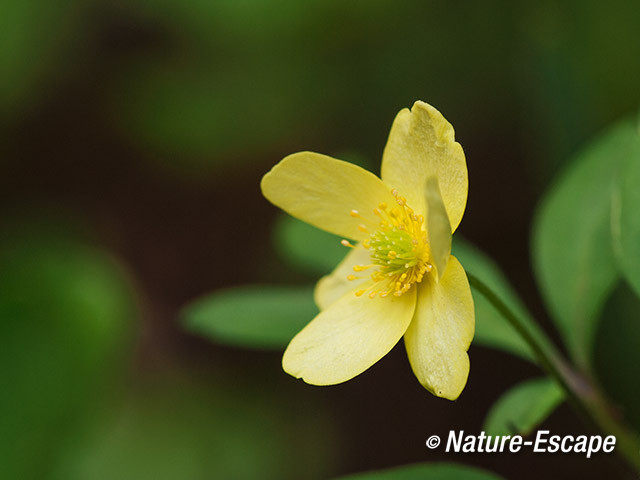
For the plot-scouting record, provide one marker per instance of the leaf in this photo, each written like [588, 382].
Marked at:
[422, 471]
[66, 317]
[522, 408]
[626, 218]
[617, 352]
[492, 329]
[306, 247]
[572, 247]
[257, 316]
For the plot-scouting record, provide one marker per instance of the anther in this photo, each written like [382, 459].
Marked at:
[351, 277]
[346, 243]
[354, 213]
[362, 228]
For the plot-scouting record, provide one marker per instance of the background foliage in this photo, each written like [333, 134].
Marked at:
[133, 137]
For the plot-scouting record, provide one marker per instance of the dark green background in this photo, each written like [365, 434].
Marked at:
[133, 136]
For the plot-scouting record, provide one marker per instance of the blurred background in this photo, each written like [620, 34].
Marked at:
[133, 136]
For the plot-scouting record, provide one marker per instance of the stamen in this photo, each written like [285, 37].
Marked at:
[346, 243]
[360, 268]
[399, 249]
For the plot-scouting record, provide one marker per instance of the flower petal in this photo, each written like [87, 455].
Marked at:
[441, 331]
[348, 337]
[323, 191]
[333, 286]
[438, 227]
[421, 144]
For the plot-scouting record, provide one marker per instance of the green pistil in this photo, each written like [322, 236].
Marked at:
[393, 249]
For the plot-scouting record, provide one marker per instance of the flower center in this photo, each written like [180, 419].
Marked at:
[398, 249]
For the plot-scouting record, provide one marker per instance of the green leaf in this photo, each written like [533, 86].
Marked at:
[306, 247]
[572, 247]
[492, 329]
[66, 318]
[522, 408]
[257, 316]
[422, 471]
[626, 219]
[616, 352]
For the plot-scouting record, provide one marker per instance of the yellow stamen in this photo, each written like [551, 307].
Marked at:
[399, 249]
[359, 268]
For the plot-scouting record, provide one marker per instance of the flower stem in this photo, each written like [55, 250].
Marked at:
[588, 401]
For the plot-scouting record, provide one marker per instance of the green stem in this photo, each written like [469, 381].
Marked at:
[583, 396]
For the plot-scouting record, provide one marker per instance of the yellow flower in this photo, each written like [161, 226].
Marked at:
[399, 279]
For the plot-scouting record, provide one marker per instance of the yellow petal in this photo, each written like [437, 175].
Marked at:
[421, 145]
[333, 286]
[348, 337]
[438, 227]
[330, 194]
[441, 331]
